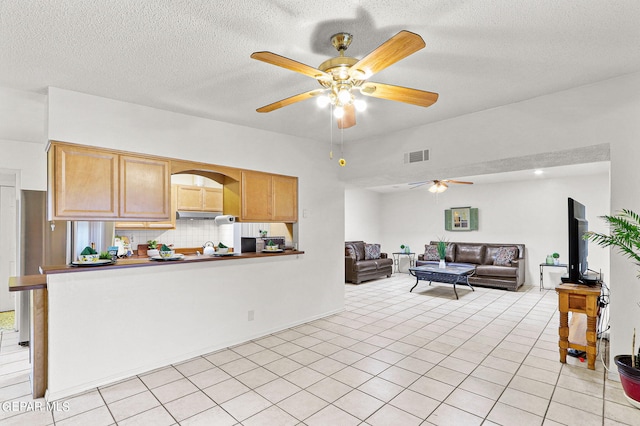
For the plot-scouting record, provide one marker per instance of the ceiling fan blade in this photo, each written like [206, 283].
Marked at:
[349, 117]
[288, 101]
[388, 53]
[290, 64]
[419, 184]
[399, 93]
[457, 181]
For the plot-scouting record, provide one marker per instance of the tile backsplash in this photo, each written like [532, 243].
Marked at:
[194, 233]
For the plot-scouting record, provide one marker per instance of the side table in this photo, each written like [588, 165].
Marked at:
[542, 266]
[581, 299]
[396, 260]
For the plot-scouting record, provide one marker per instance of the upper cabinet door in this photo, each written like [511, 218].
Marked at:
[189, 198]
[256, 196]
[212, 199]
[285, 198]
[144, 188]
[269, 198]
[83, 183]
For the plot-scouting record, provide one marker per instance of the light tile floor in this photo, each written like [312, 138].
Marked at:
[391, 358]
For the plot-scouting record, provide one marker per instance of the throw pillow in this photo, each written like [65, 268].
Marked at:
[371, 251]
[431, 252]
[504, 256]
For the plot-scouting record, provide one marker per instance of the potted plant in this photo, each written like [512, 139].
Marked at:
[556, 258]
[625, 236]
[405, 249]
[152, 248]
[442, 253]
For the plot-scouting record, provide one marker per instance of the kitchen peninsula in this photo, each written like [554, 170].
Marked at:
[97, 325]
[137, 315]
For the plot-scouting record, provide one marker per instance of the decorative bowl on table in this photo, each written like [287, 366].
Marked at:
[88, 258]
[222, 250]
[166, 254]
[272, 248]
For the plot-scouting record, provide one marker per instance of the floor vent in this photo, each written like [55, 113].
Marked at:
[416, 156]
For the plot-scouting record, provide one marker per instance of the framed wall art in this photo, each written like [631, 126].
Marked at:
[461, 219]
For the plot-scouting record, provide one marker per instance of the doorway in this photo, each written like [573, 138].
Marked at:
[8, 238]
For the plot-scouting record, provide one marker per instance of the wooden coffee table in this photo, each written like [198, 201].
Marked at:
[453, 273]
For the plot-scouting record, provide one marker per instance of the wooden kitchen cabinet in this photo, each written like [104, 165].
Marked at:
[145, 188]
[199, 198]
[83, 183]
[267, 197]
[89, 183]
[285, 198]
[160, 224]
[212, 200]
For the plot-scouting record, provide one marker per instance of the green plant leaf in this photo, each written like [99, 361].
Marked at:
[624, 235]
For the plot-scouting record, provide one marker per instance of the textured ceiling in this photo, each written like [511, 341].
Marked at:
[192, 56]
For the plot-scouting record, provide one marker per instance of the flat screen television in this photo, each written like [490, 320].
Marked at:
[578, 247]
[578, 265]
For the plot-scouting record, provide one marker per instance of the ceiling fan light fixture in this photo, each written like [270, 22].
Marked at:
[360, 105]
[344, 95]
[438, 187]
[323, 100]
[338, 112]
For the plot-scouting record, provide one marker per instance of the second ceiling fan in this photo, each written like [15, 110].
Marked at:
[342, 75]
[438, 186]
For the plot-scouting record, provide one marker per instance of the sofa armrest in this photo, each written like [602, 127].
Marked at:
[349, 270]
[520, 273]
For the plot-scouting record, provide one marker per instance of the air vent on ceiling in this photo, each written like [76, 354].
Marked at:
[416, 156]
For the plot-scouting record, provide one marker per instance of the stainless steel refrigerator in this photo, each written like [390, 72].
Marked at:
[45, 243]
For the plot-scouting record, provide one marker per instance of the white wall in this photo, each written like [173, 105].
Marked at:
[532, 212]
[111, 324]
[23, 137]
[362, 216]
[541, 128]
[29, 159]
[91, 120]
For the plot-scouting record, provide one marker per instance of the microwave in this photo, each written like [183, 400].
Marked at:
[255, 244]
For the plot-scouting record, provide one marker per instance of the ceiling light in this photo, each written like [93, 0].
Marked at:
[344, 95]
[360, 105]
[438, 187]
[323, 101]
[338, 112]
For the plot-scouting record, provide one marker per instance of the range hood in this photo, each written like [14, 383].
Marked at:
[197, 215]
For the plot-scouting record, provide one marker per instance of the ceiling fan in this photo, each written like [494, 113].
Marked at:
[438, 186]
[342, 75]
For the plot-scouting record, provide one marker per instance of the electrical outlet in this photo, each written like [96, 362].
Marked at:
[250, 315]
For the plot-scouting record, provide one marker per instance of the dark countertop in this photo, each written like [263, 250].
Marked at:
[36, 282]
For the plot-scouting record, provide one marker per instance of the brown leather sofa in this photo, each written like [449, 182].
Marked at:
[482, 256]
[358, 268]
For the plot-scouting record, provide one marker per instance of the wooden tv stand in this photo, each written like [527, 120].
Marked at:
[580, 299]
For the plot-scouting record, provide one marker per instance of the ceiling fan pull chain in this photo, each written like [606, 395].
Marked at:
[331, 132]
[342, 161]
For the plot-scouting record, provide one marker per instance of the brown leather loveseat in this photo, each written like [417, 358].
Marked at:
[497, 265]
[364, 261]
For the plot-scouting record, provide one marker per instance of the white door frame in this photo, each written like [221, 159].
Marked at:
[9, 234]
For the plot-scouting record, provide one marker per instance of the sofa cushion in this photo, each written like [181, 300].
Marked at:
[358, 248]
[431, 252]
[504, 256]
[371, 251]
[372, 265]
[469, 253]
[496, 271]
